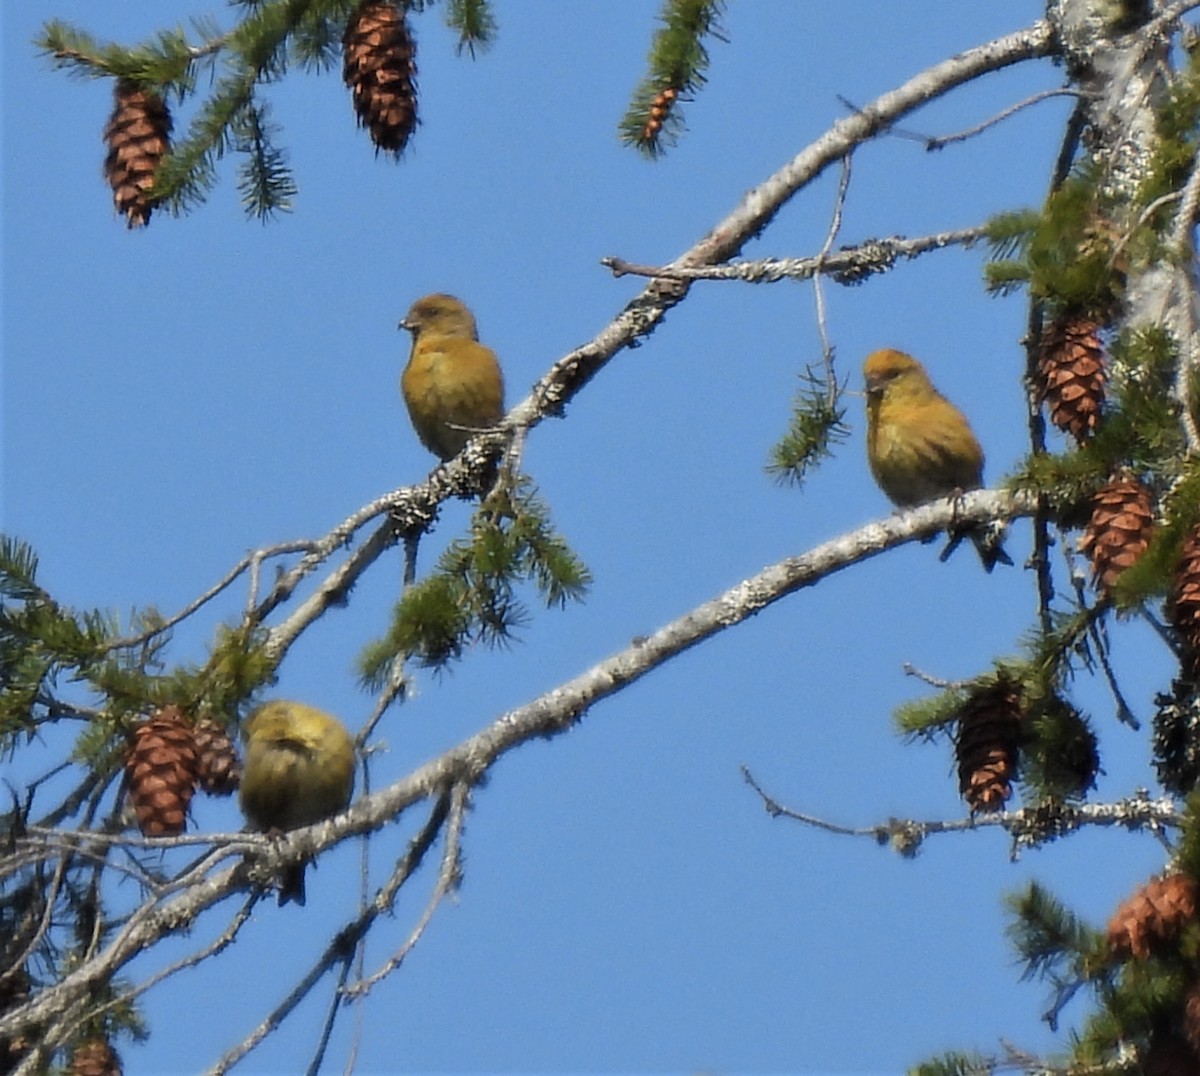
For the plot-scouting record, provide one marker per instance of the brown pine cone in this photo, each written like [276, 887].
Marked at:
[1153, 916]
[987, 744]
[138, 136]
[95, 1058]
[218, 768]
[379, 65]
[161, 771]
[1071, 376]
[1183, 602]
[1119, 530]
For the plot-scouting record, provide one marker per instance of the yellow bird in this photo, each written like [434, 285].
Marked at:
[299, 770]
[921, 447]
[452, 384]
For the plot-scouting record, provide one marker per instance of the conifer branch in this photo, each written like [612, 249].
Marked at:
[177, 906]
[678, 61]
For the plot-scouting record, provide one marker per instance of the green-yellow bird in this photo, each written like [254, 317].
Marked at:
[921, 447]
[452, 384]
[299, 770]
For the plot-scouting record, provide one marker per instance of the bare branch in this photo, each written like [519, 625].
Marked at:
[835, 226]
[1028, 825]
[449, 878]
[252, 562]
[935, 142]
[342, 945]
[850, 265]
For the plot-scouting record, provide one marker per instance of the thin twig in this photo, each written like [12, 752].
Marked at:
[835, 226]
[1136, 812]
[331, 1015]
[448, 880]
[930, 679]
[1039, 559]
[1095, 628]
[221, 942]
[945, 140]
[344, 942]
[249, 561]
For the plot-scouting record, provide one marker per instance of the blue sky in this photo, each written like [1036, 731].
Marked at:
[175, 397]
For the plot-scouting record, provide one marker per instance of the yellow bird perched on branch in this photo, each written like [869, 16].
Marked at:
[452, 384]
[299, 770]
[921, 447]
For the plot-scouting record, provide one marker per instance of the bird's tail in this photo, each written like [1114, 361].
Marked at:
[988, 539]
[291, 885]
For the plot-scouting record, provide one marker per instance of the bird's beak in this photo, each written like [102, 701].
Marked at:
[874, 385]
[406, 324]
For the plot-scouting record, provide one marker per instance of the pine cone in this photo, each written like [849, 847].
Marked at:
[1183, 603]
[379, 66]
[161, 770]
[138, 136]
[95, 1058]
[1154, 915]
[987, 744]
[218, 768]
[1177, 738]
[1119, 530]
[1071, 375]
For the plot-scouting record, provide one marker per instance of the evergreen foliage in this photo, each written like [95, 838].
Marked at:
[677, 64]
[257, 51]
[817, 425]
[1074, 257]
[471, 596]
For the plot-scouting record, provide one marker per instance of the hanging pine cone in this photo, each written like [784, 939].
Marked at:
[1119, 530]
[1153, 916]
[987, 743]
[138, 136]
[379, 66]
[1183, 603]
[1071, 375]
[161, 770]
[1177, 738]
[95, 1058]
[218, 768]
